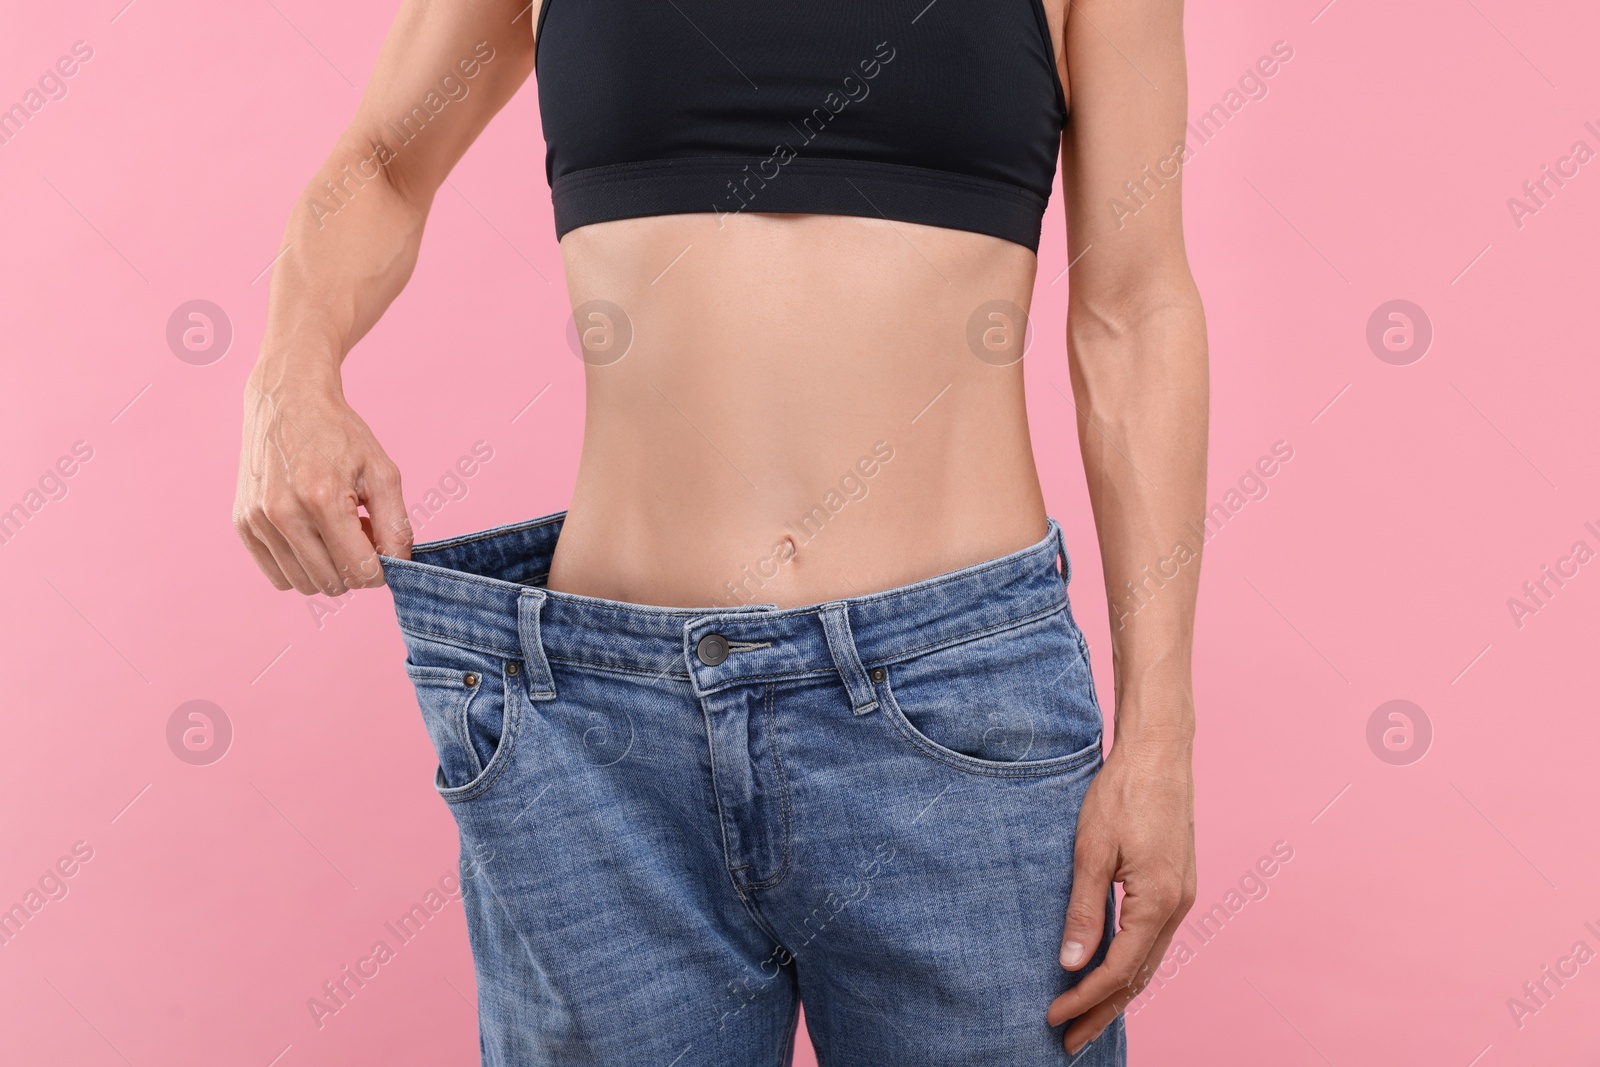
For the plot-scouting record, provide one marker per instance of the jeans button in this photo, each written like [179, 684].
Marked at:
[712, 649]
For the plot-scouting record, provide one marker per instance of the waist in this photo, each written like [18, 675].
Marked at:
[794, 503]
[489, 591]
[797, 409]
[842, 543]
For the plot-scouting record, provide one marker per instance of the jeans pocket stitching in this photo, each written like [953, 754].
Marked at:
[510, 722]
[908, 732]
[463, 725]
[497, 763]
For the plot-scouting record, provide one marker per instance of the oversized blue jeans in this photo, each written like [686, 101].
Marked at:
[677, 824]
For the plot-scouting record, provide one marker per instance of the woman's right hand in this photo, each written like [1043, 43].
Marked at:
[307, 464]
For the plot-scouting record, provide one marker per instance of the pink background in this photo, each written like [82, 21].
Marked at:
[219, 898]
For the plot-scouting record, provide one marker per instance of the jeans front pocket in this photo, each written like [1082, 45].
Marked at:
[1015, 703]
[471, 705]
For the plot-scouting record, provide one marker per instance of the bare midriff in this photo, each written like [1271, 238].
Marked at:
[801, 414]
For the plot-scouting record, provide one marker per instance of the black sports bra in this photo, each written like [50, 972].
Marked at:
[947, 113]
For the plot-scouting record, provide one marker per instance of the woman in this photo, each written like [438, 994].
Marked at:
[790, 703]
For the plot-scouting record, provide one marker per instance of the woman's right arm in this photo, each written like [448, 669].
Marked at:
[308, 461]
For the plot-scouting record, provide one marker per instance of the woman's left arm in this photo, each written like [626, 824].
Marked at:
[1136, 346]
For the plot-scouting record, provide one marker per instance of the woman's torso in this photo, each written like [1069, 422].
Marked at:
[792, 408]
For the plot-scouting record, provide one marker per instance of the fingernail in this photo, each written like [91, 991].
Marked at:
[1071, 954]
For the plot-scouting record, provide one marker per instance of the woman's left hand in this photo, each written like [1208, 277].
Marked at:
[1137, 828]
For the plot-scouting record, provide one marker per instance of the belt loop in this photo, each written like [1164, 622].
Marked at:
[836, 625]
[1061, 552]
[540, 684]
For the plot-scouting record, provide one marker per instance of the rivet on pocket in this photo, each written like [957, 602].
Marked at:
[470, 680]
[512, 668]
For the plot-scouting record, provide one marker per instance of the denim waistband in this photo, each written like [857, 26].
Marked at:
[486, 590]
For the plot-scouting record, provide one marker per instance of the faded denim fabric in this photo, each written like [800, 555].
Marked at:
[677, 824]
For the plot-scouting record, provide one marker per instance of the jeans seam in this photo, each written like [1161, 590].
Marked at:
[820, 672]
[459, 642]
[973, 635]
[783, 789]
[786, 1048]
[617, 668]
[1083, 654]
